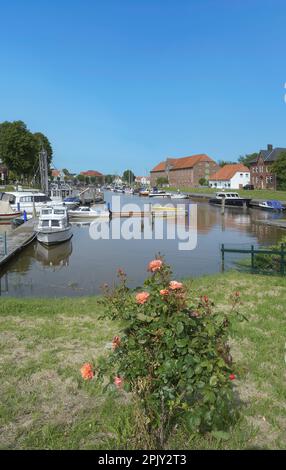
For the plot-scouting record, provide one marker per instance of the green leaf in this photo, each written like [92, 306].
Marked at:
[180, 328]
[213, 381]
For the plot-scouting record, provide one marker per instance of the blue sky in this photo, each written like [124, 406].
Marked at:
[119, 84]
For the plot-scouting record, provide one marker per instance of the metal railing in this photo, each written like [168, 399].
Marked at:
[280, 255]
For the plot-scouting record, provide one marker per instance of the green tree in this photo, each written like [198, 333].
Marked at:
[43, 142]
[203, 182]
[224, 162]
[279, 169]
[128, 176]
[18, 148]
[246, 159]
[80, 178]
[161, 181]
[109, 179]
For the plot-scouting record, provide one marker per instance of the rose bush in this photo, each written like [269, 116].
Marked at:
[173, 356]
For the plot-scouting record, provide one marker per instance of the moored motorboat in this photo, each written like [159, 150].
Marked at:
[54, 226]
[231, 199]
[71, 202]
[144, 192]
[159, 193]
[272, 205]
[7, 214]
[179, 195]
[85, 212]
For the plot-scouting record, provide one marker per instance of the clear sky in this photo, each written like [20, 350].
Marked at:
[118, 84]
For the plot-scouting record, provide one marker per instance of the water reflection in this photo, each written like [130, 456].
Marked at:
[55, 257]
[81, 266]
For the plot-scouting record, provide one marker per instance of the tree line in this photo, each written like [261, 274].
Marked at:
[20, 148]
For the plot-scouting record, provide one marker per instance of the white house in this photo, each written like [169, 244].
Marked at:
[117, 180]
[230, 176]
[144, 180]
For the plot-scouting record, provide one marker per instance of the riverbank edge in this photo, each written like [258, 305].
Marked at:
[50, 339]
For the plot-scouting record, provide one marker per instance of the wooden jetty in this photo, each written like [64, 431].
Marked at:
[16, 240]
[142, 214]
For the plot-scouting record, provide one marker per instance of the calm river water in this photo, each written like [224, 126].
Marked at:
[82, 265]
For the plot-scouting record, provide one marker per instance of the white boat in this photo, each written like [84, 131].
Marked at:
[179, 196]
[85, 212]
[159, 194]
[144, 192]
[7, 213]
[54, 226]
[272, 205]
[231, 199]
[21, 201]
[129, 191]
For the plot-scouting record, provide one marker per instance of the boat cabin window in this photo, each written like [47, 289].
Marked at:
[85, 209]
[46, 211]
[45, 223]
[55, 223]
[59, 211]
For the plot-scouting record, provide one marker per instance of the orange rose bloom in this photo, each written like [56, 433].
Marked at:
[164, 292]
[87, 371]
[174, 285]
[142, 297]
[116, 342]
[118, 382]
[155, 265]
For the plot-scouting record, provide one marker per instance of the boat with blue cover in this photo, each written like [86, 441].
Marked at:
[271, 205]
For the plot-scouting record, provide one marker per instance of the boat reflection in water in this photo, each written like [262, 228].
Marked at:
[55, 256]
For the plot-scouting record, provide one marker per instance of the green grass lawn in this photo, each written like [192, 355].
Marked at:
[45, 404]
[255, 194]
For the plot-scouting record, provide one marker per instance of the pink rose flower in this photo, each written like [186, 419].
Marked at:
[87, 371]
[142, 297]
[175, 285]
[118, 382]
[164, 292]
[155, 265]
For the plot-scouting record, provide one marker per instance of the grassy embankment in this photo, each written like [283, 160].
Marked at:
[255, 194]
[45, 403]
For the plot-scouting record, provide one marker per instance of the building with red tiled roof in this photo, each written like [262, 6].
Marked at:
[91, 173]
[185, 171]
[233, 176]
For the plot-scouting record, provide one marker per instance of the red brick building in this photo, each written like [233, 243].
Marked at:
[185, 171]
[262, 176]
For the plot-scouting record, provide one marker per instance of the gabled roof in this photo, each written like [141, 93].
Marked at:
[182, 163]
[56, 173]
[228, 171]
[91, 173]
[274, 154]
[269, 155]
